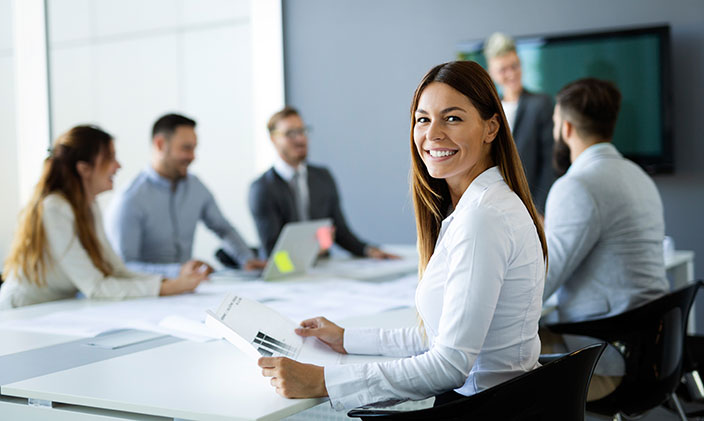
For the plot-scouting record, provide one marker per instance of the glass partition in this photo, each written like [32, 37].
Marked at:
[121, 64]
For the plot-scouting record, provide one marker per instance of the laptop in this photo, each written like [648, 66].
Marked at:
[295, 250]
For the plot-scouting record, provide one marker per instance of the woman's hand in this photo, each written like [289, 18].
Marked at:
[293, 379]
[325, 330]
[377, 253]
[191, 275]
[195, 266]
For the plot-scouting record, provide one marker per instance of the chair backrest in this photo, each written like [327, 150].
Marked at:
[555, 391]
[653, 353]
[650, 339]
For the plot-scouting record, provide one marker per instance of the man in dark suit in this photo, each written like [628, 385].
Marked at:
[529, 114]
[293, 190]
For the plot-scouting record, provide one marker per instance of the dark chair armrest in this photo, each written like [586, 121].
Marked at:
[548, 358]
[610, 328]
[584, 328]
[359, 413]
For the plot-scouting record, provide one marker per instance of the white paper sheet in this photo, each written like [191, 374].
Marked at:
[183, 315]
[367, 269]
[258, 330]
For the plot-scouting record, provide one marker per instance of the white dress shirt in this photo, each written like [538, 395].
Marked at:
[510, 111]
[70, 269]
[480, 301]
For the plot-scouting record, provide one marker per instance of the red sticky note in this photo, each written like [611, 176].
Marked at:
[324, 236]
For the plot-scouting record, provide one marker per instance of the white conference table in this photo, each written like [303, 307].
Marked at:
[680, 270]
[182, 380]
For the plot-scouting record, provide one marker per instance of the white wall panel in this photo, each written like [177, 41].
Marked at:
[130, 17]
[204, 11]
[136, 81]
[5, 27]
[70, 20]
[217, 93]
[72, 72]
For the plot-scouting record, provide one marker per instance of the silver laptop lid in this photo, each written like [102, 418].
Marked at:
[295, 249]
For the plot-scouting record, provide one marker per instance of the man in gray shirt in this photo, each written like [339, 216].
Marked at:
[151, 224]
[603, 222]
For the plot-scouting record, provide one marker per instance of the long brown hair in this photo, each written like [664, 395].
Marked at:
[431, 196]
[29, 253]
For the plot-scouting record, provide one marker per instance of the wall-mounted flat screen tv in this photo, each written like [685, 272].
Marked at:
[637, 60]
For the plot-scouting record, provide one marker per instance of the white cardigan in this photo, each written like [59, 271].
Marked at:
[480, 300]
[70, 269]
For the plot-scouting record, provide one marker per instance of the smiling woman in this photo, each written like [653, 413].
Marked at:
[60, 247]
[458, 84]
[453, 141]
[482, 259]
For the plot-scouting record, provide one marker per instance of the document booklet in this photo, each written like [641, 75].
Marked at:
[258, 330]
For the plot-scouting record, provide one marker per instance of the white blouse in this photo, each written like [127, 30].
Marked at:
[70, 269]
[480, 300]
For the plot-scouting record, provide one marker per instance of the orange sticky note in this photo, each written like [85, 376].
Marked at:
[324, 236]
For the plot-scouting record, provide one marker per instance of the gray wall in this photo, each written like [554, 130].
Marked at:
[352, 66]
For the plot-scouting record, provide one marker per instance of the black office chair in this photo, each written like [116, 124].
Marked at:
[555, 391]
[226, 260]
[691, 388]
[650, 338]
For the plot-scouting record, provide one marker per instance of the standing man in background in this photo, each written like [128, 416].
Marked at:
[529, 116]
[293, 190]
[151, 224]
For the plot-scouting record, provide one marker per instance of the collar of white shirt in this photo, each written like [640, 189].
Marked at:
[477, 187]
[473, 192]
[286, 171]
[592, 152]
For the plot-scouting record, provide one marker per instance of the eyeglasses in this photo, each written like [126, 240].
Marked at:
[294, 133]
[514, 67]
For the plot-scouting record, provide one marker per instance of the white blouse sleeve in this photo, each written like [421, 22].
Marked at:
[479, 251]
[68, 253]
[403, 342]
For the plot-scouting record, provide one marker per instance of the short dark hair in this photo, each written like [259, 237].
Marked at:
[166, 125]
[285, 112]
[592, 105]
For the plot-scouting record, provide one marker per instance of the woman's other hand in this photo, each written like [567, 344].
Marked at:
[293, 379]
[325, 330]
